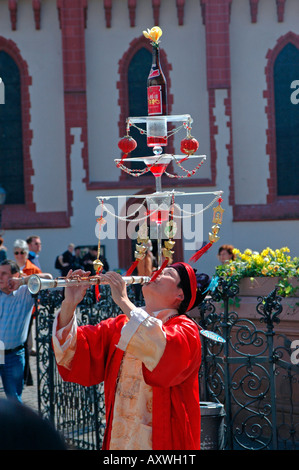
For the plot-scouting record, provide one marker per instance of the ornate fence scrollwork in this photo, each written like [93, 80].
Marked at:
[244, 373]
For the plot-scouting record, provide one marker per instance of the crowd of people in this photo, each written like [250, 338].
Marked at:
[17, 306]
[76, 257]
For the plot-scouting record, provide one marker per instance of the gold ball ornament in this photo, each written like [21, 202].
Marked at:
[98, 265]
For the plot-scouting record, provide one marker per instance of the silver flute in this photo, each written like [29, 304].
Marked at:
[36, 283]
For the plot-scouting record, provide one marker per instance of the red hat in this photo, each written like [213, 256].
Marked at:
[193, 285]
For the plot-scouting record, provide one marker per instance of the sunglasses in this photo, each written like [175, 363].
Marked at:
[20, 252]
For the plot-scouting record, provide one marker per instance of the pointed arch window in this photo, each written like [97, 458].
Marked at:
[285, 71]
[138, 71]
[16, 167]
[134, 68]
[11, 138]
[281, 136]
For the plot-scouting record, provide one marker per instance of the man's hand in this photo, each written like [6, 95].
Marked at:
[15, 282]
[72, 297]
[118, 291]
[74, 294]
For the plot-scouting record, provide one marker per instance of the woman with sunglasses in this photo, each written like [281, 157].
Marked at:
[21, 252]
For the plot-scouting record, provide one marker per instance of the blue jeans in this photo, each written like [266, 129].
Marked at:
[12, 374]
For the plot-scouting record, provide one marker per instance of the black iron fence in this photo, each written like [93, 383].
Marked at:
[251, 374]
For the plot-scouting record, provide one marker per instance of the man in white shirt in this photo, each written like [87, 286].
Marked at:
[35, 246]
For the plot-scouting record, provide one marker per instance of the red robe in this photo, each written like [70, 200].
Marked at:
[176, 412]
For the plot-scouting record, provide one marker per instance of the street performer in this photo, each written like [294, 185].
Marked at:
[148, 358]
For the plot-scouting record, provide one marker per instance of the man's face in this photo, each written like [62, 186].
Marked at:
[5, 276]
[164, 291]
[35, 245]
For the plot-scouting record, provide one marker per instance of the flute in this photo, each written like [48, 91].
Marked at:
[35, 283]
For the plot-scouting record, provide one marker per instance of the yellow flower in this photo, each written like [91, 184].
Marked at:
[265, 253]
[247, 252]
[154, 34]
[264, 270]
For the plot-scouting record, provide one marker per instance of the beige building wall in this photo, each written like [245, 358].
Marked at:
[185, 47]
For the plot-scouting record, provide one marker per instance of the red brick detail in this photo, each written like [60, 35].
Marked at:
[180, 4]
[277, 208]
[72, 22]
[132, 11]
[20, 217]
[36, 6]
[59, 11]
[213, 133]
[254, 10]
[229, 146]
[216, 17]
[132, 4]
[283, 209]
[85, 6]
[108, 12]
[280, 6]
[156, 11]
[203, 10]
[13, 9]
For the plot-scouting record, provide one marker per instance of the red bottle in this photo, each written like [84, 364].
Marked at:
[156, 87]
[156, 101]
